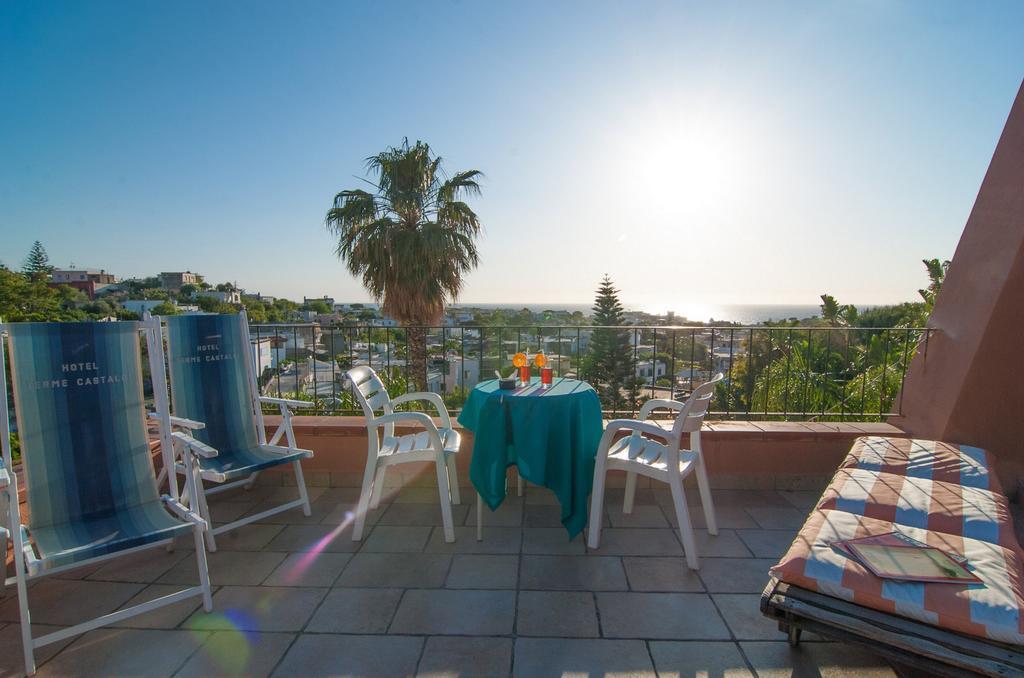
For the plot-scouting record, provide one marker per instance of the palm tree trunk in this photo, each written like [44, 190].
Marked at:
[418, 356]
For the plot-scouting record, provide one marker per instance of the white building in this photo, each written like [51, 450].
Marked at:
[229, 297]
[142, 306]
[650, 370]
[465, 373]
[263, 354]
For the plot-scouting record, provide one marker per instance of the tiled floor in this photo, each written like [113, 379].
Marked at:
[295, 596]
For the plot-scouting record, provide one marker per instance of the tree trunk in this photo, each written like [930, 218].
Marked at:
[417, 338]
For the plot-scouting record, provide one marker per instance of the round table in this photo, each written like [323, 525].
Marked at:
[550, 434]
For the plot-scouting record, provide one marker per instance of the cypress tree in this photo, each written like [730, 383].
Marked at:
[610, 360]
[37, 264]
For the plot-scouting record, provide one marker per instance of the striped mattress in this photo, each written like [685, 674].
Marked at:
[944, 495]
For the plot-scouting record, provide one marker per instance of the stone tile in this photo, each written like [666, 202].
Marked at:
[693, 659]
[823, 660]
[240, 494]
[64, 602]
[509, 513]
[167, 617]
[557, 657]
[237, 653]
[415, 570]
[11, 662]
[553, 541]
[448, 612]
[355, 611]
[662, 574]
[557, 613]
[258, 608]
[496, 540]
[252, 537]
[308, 569]
[802, 499]
[643, 515]
[638, 542]
[321, 538]
[413, 495]
[229, 511]
[767, 543]
[572, 573]
[141, 567]
[392, 539]
[667, 616]
[771, 518]
[327, 654]
[727, 517]
[742, 613]
[421, 515]
[345, 513]
[735, 575]
[614, 496]
[454, 657]
[726, 544]
[474, 571]
[744, 498]
[537, 495]
[236, 568]
[281, 495]
[124, 652]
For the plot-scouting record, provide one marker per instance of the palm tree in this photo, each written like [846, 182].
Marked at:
[936, 276]
[411, 241]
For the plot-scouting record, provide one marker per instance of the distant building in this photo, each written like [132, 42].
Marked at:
[173, 282]
[89, 281]
[326, 299]
[229, 297]
[141, 306]
[464, 373]
[650, 370]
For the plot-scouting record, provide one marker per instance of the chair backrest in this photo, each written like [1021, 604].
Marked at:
[696, 407]
[81, 419]
[369, 391]
[208, 358]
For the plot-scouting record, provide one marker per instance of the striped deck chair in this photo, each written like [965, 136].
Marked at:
[88, 474]
[216, 406]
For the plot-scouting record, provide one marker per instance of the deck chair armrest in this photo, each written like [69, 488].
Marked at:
[179, 422]
[285, 402]
[182, 511]
[200, 448]
[432, 398]
[616, 425]
[5, 477]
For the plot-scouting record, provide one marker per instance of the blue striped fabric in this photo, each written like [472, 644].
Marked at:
[209, 383]
[89, 478]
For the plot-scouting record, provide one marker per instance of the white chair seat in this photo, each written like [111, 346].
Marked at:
[419, 442]
[647, 452]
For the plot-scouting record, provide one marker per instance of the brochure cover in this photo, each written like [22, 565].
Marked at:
[896, 556]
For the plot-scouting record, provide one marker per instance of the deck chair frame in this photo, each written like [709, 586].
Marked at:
[903, 641]
[176, 433]
[24, 552]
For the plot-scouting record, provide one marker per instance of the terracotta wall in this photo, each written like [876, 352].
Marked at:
[969, 388]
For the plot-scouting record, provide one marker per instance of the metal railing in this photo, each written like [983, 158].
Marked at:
[780, 372]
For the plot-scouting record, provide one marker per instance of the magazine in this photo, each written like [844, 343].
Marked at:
[896, 556]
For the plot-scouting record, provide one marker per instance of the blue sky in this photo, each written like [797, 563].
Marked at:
[700, 154]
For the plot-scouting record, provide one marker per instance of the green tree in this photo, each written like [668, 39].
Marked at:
[411, 241]
[609, 364]
[166, 308]
[936, 275]
[37, 266]
[835, 314]
[318, 305]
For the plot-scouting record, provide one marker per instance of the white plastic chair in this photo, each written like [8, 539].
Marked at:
[385, 449]
[666, 462]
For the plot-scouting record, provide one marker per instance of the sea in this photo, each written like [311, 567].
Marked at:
[746, 314]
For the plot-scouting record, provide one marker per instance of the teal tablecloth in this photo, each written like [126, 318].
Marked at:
[550, 434]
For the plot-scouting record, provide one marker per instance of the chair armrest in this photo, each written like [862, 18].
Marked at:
[432, 398]
[180, 422]
[183, 512]
[651, 405]
[5, 478]
[200, 448]
[617, 425]
[285, 402]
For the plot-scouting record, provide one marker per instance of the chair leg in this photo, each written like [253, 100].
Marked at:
[453, 479]
[364, 500]
[675, 483]
[597, 502]
[630, 494]
[23, 611]
[201, 565]
[479, 517]
[378, 487]
[204, 511]
[252, 481]
[300, 482]
[704, 488]
[446, 501]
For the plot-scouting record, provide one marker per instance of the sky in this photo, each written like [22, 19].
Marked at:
[699, 154]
